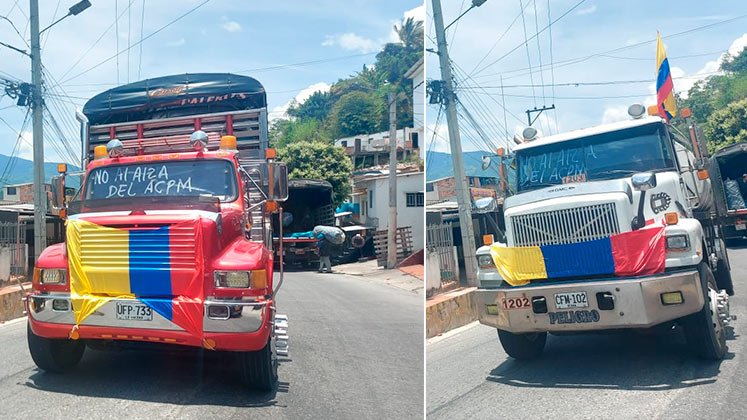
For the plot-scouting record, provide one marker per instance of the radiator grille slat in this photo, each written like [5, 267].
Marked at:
[100, 250]
[565, 226]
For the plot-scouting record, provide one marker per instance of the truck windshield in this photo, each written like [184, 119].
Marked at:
[611, 155]
[195, 178]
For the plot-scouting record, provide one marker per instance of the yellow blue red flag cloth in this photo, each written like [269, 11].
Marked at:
[635, 253]
[108, 263]
[665, 100]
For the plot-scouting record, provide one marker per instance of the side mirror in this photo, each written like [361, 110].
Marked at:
[58, 192]
[644, 181]
[272, 178]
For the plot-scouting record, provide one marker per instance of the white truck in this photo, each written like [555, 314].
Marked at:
[590, 186]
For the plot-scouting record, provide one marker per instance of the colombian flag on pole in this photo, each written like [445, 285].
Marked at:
[664, 86]
[626, 254]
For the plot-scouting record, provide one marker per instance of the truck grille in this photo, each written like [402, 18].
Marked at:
[108, 250]
[565, 226]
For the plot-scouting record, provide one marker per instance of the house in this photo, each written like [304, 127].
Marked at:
[367, 150]
[417, 75]
[371, 194]
[444, 189]
[21, 193]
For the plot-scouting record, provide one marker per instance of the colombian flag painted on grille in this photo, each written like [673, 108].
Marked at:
[159, 266]
[633, 253]
[664, 87]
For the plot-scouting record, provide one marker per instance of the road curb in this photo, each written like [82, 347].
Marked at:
[450, 310]
[11, 305]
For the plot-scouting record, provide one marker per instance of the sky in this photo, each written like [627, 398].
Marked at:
[255, 38]
[596, 41]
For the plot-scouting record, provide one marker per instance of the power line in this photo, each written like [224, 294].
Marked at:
[527, 40]
[529, 59]
[54, 16]
[116, 34]
[190, 11]
[597, 83]
[140, 60]
[552, 67]
[518, 15]
[577, 60]
[103, 34]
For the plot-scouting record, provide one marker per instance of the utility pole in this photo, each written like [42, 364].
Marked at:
[464, 201]
[37, 118]
[391, 257]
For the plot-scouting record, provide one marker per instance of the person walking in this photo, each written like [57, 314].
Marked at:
[325, 251]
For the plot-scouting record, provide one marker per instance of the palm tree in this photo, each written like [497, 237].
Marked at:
[410, 33]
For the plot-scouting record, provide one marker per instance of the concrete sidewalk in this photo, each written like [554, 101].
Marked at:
[369, 270]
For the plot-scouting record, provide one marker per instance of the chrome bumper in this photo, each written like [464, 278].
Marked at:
[245, 316]
[637, 304]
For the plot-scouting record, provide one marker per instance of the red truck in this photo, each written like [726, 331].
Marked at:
[169, 238]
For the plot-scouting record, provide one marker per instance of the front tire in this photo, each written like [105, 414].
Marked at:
[704, 330]
[526, 346]
[259, 369]
[54, 355]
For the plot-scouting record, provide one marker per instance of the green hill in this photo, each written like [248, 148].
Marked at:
[23, 171]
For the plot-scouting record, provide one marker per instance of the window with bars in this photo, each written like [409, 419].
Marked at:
[415, 199]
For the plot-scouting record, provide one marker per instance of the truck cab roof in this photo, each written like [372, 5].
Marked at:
[589, 131]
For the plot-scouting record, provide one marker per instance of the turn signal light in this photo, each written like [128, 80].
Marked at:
[671, 218]
[703, 174]
[61, 168]
[271, 206]
[487, 239]
[270, 153]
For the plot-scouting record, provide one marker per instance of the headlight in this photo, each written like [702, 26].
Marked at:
[52, 276]
[256, 279]
[678, 242]
[485, 261]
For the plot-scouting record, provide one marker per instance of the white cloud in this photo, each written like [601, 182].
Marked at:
[177, 43]
[417, 13]
[587, 10]
[281, 111]
[615, 113]
[230, 25]
[710, 68]
[352, 42]
[25, 148]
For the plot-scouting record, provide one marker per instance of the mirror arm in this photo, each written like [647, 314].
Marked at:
[253, 182]
[254, 206]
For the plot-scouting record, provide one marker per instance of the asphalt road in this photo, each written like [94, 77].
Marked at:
[622, 375]
[356, 351]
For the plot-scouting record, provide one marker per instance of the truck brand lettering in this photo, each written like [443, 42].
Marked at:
[574, 317]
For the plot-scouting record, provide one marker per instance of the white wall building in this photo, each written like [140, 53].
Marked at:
[407, 138]
[372, 194]
[417, 75]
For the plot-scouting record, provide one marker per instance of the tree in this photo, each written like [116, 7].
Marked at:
[357, 113]
[317, 160]
[410, 33]
[286, 131]
[728, 125]
[316, 106]
[735, 64]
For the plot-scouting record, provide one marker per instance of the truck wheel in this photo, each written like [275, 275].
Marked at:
[259, 369]
[723, 277]
[704, 330]
[526, 346]
[54, 355]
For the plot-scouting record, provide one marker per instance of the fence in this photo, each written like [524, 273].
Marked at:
[439, 240]
[13, 250]
[403, 242]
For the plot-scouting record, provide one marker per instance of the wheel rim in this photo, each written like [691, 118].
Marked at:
[719, 308]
